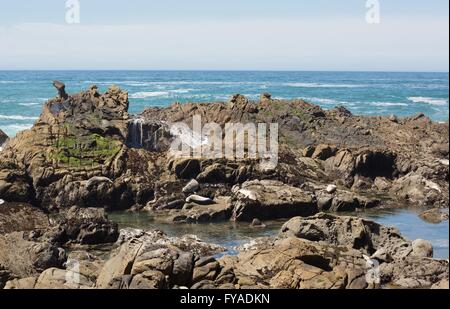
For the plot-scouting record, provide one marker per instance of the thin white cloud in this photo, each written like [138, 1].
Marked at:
[333, 44]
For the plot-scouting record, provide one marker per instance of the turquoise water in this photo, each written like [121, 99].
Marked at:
[232, 234]
[22, 93]
[412, 227]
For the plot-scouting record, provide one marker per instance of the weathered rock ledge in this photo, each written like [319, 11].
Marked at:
[85, 150]
[319, 252]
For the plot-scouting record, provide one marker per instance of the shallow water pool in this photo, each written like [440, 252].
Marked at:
[232, 234]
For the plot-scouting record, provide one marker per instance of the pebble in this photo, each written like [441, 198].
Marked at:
[444, 162]
[191, 187]
[331, 189]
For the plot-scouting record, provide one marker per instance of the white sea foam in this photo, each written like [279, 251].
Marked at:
[318, 85]
[11, 82]
[30, 104]
[148, 94]
[12, 129]
[187, 90]
[7, 101]
[321, 100]
[427, 100]
[387, 104]
[17, 117]
[153, 83]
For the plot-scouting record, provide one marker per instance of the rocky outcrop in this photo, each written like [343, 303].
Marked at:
[327, 252]
[151, 260]
[61, 89]
[22, 255]
[86, 154]
[319, 252]
[219, 209]
[345, 201]
[270, 200]
[434, 216]
[22, 217]
[74, 143]
[31, 243]
[86, 226]
[86, 150]
[352, 232]
[3, 138]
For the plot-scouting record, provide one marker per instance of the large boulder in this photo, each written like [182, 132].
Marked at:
[294, 263]
[219, 209]
[149, 260]
[417, 189]
[15, 185]
[415, 272]
[22, 217]
[54, 278]
[268, 199]
[353, 232]
[87, 226]
[21, 284]
[345, 201]
[434, 216]
[77, 137]
[23, 256]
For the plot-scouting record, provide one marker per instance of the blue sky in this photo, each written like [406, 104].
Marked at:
[233, 34]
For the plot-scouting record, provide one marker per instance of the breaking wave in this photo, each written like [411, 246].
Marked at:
[427, 100]
[16, 117]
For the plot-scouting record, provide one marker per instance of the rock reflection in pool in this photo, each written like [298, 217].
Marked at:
[231, 235]
[412, 227]
[227, 234]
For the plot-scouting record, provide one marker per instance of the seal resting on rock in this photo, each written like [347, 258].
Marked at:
[197, 199]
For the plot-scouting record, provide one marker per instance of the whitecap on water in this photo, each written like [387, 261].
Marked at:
[321, 100]
[148, 94]
[16, 117]
[386, 104]
[427, 100]
[319, 85]
[12, 129]
[30, 104]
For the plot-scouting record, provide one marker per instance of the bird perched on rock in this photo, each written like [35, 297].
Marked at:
[61, 87]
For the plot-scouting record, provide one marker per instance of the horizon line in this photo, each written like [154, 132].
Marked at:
[226, 70]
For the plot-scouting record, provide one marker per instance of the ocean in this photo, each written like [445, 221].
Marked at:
[22, 93]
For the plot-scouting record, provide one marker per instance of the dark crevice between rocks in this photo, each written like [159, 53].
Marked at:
[376, 164]
[317, 261]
